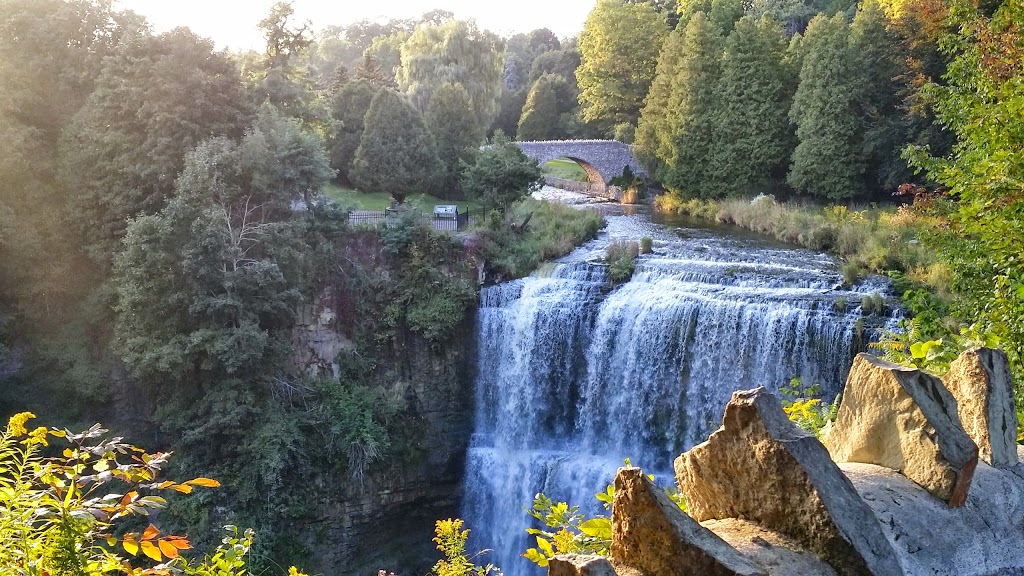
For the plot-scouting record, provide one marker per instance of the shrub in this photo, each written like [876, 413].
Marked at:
[646, 245]
[620, 256]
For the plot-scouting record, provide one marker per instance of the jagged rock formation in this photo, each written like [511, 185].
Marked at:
[770, 500]
[980, 382]
[906, 420]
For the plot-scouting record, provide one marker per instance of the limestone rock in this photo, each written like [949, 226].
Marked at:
[776, 553]
[980, 381]
[651, 534]
[759, 466]
[906, 420]
[985, 537]
[578, 565]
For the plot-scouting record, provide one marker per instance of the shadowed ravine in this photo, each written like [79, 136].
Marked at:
[574, 376]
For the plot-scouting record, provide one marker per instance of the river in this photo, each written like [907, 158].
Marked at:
[574, 375]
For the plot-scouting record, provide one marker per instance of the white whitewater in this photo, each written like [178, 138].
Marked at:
[575, 376]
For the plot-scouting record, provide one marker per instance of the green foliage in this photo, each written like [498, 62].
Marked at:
[451, 121]
[572, 532]
[348, 107]
[451, 541]
[539, 120]
[396, 154]
[829, 158]
[553, 230]
[646, 245]
[980, 101]
[806, 409]
[621, 259]
[455, 51]
[501, 175]
[619, 50]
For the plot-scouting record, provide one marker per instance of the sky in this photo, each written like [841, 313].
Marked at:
[232, 23]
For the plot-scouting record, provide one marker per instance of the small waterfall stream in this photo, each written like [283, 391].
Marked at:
[574, 376]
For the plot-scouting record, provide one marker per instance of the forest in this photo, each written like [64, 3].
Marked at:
[164, 222]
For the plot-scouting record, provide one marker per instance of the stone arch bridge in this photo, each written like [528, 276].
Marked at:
[602, 160]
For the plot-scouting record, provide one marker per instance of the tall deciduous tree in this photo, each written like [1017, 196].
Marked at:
[829, 158]
[451, 121]
[752, 142]
[454, 51]
[348, 108]
[619, 50]
[501, 175]
[396, 154]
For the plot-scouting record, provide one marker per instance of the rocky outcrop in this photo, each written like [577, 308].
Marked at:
[775, 553]
[980, 381]
[760, 467]
[577, 565]
[906, 420]
[650, 533]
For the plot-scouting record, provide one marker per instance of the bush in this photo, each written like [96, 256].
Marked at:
[620, 256]
[646, 245]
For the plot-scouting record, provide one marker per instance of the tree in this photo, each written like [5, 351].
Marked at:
[619, 50]
[386, 51]
[982, 104]
[654, 143]
[455, 51]
[396, 154]
[540, 117]
[679, 128]
[348, 108]
[752, 142]
[829, 158]
[521, 51]
[155, 100]
[451, 121]
[501, 175]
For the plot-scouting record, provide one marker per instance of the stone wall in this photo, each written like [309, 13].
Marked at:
[898, 487]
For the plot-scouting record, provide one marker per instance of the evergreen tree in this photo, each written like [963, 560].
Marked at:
[396, 154]
[540, 117]
[883, 77]
[829, 158]
[752, 144]
[679, 128]
[348, 108]
[619, 50]
[451, 121]
[653, 134]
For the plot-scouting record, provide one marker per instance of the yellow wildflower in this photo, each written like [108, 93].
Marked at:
[16, 425]
[293, 571]
[38, 436]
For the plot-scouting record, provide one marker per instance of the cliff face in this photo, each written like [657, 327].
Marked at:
[386, 520]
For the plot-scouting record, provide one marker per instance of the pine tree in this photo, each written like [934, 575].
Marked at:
[369, 70]
[396, 154]
[451, 121]
[690, 124]
[751, 144]
[348, 108]
[829, 158]
[539, 120]
[883, 75]
[653, 142]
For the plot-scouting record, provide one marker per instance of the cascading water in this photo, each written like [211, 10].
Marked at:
[575, 376]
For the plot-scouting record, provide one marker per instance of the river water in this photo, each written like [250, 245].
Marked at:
[575, 375]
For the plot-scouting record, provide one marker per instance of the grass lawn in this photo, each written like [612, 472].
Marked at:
[565, 169]
[350, 198]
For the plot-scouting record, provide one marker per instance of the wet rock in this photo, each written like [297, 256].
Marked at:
[980, 381]
[578, 565]
[651, 534]
[775, 553]
[906, 420]
[760, 467]
[984, 537]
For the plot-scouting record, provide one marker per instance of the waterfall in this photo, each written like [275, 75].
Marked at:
[574, 375]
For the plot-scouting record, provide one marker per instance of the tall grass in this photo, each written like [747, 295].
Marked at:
[869, 240]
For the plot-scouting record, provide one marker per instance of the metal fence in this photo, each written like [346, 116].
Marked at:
[374, 218]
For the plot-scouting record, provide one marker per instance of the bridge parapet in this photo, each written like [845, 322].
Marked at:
[601, 159]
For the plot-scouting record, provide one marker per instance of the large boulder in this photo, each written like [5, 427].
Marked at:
[651, 534]
[906, 420]
[760, 467]
[776, 553]
[980, 381]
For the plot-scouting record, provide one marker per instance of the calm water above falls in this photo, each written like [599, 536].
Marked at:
[575, 376]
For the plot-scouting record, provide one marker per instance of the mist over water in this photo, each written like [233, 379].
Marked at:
[574, 375]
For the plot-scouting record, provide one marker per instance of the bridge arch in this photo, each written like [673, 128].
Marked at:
[602, 160]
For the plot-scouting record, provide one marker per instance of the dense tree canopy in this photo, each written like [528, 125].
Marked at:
[619, 50]
[451, 121]
[501, 175]
[348, 108]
